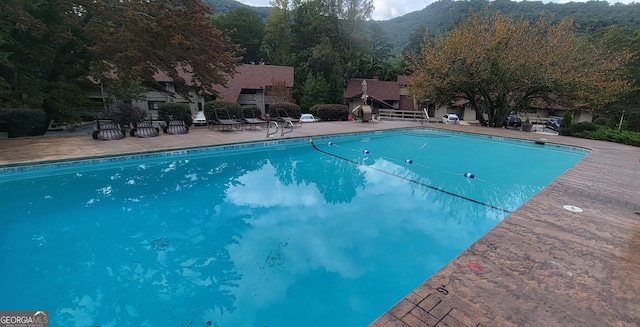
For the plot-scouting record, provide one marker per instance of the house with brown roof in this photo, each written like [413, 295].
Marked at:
[380, 94]
[258, 85]
[395, 95]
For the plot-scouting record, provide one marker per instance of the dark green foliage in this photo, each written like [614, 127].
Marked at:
[124, 113]
[224, 6]
[602, 121]
[246, 28]
[566, 119]
[211, 107]
[584, 126]
[24, 122]
[176, 111]
[330, 112]
[611, 135]
[316, 90]
[43, 58]
[251, 111]
[90, 114]
[291, 108]
[612, 123]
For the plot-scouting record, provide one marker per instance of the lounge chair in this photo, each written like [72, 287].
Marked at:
[175, 127]
[252, 118]
[108, 130]
[284, 117]
[144, 128]
[224, 120]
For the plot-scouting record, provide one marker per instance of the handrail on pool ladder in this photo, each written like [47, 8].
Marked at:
[292, 127]
[269, 126]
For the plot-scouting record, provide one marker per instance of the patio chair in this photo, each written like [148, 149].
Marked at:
[252, 118]
[175, 127]
[144, 128]
[108, 130]
[365, 113]
[224, 120]
[284, 117]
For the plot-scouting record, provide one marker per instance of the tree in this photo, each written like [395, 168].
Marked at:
[352, 13]
[45, 57]
[418, 36]
[245, 27]
[277, 33]
[380, 51]
[55, 46]
[500, 65]
[626, 106]
[279, 92]
[316, 91]
[139, 39]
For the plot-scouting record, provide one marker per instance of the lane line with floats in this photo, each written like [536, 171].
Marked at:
[409, 179]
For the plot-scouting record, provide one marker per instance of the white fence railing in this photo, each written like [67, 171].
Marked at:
[414, 115]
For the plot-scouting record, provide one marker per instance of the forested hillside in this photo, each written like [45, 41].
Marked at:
[445, 14]
[224, 6]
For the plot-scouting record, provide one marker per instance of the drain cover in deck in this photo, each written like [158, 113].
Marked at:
[572, 208]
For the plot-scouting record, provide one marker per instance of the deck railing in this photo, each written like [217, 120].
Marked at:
[414, 115]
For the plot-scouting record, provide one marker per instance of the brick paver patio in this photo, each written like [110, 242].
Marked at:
[541, 266]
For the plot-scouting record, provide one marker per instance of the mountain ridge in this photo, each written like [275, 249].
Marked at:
[443, 15]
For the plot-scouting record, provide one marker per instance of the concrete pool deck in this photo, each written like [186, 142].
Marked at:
[541, 266]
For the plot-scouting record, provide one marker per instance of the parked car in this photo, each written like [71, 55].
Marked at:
[553, 123]
[200, 119]
[450, 119]
[307, 118]
[512, 122]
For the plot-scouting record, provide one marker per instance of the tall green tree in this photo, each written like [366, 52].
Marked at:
[380, 51]
[316, 91]
[321, 38]
[46, 56]
[412, 49]
[277, 33]
[626, 106]
[352, 14]
[245, 27]
[499, 64]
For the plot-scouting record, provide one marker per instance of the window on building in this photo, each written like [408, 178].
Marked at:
[155, 105]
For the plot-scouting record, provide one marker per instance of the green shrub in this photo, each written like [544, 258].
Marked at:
[251, 111]
[176, 111]
[124, 113]
[314, 110]
[611, 135]
[584, 126]
[292, 109]
[330, 112]
[24, 122]
[602, 121]
[612, 123]
[211, 106]
[566, 119]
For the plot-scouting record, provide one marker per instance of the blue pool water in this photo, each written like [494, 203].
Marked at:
[270, 234]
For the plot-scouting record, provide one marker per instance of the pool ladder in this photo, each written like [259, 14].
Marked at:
[282, 131]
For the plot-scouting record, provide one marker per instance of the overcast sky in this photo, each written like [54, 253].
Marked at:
[387, 9]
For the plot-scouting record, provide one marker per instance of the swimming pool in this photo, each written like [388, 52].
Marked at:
[328, 232]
